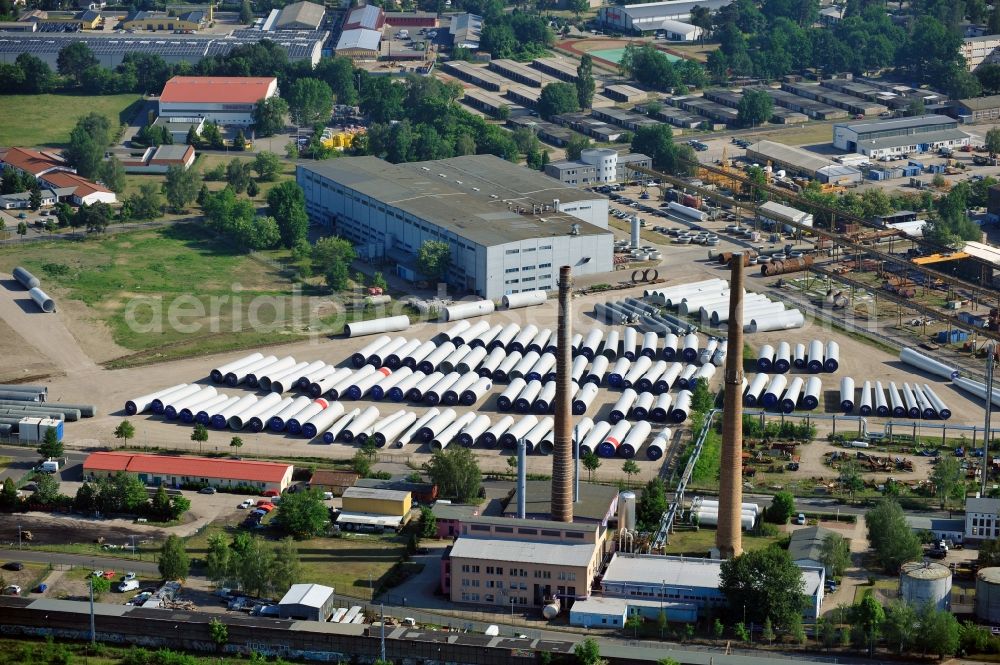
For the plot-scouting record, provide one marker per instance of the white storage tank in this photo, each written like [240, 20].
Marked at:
[923, 581]
[626, 511]
[988, 595]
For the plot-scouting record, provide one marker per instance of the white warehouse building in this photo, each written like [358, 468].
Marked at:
[509, 228]
[226, 100]
[654, 16]
[898, 136]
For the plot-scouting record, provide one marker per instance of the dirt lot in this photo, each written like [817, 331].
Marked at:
[26, 578]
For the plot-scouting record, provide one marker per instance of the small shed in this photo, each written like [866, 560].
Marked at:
[327, 480]
[307, 602]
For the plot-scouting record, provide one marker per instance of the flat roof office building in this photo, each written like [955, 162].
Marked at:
[509, 228]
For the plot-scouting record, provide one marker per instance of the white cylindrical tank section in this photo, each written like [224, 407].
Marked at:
[476, 391]
[471, 432]
[334, 430]
[172, 409]
[375, 326]
[447, 435]
[813, 393]
[584, 398]
[649, 379]
[436, 425]
[388, 433]
[988, 595]
[790, 318]
[720, 315]
[661, 407]
[605, 161]
[591, 343]
[285, 367]
[927, 364]
[394, 360]
[926, 410]
[649, 344]
[472, 360]
[831, 359]
[140, 404]
[611, 344]
[413, 359]
[453, 394]
[471, 333]
[847, 394]
[322, 420]
[666, 381]
[630, 336]
[597, 370]
[527, 397]
[360, 386]
[360, 423]
[204, 415]
[814, 359]
[543, 403]
[682, 407]
[657, 448]
[220, 418]
[635, 438]
[449, 364]
[942, 411]
[520, 370]
[25, 278]
[336, 379]
[755, 390]
[689, 348]
[380, 389]
[582, 428]
[910, 400]
[434, 358]
[551, 610]
[783, 358]
[642, 406]
[978, 389]
[187, 415]
[506, 336]
[485, 338]
[791, 398]
[533, 439]
[523, 338]
[799, 356]
[240, 374]
[492, 362]
[524, 299]
[594, 437]
[412, 433]
[218, 374]
[491, 437]
[613, 440]
[624, 404]
[293, 425]
[687, 373]
[377, 358]
[670, 342]
[252, 378]
[502, 373]
[312, 371]
[898, 407]
[158, 404]
[765, 358]
[505, 401]
[641, 365]
[773, 392]
[881, 406]
[434, 394]
[541, 341]
[618, 372]
[923, 582]
[360, 357]
[454, 331]
[865, 405]
[626, 510]
[258, 422]
[467, 310]
[44, 302]
[517, 431]
[705, 355]
[704, 373]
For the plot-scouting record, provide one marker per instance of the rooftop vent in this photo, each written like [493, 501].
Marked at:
[574, 229]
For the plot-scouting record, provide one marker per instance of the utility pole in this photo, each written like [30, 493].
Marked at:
[382, 646]
[990, 351]
[93, 630]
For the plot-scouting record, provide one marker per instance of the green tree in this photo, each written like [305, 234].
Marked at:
[591, 462]
[287, 204]
[900, 626]
[9, 500]
[835, 554]
[585, 81]
[124, 431]
[246, 12]
[212, 136]
[112, 174]
[192, 137]
[74, 59]
[51, 447]
[657, 141]
[939, 631]
[702, 399]
[236, 442]
[199, 434]
[310, 101]
[361, 464]
[34, 75]
[989, 553]
[850, 478]
[434, 259]
[240, 142]
[993, 141]
[947, 477]
[576, 145]
[456, 473]
[147, 203]
[869, 616]
[718, 629]
[22, 229]
[253, 189]
[287, 568]
[767, 632]
[781, 509]
[379, 282]
[755, 108]
[428, 523]
[217, 559]
[767, 583]
[174, 562]
[267, 165]
[180, 187]
[588, 652]
[87, 142]
[661, 622]
[47, 491]
[302, 514]
[890, 537]
[218, 631]
[160, 504]
[629, 468]
[238, 174]
[651, 505]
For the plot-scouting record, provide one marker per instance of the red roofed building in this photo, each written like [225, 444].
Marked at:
[178, 471]
[34, 162]
[226, 100]
[76, 189]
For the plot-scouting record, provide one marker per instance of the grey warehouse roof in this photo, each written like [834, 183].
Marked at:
[914, 139]
[474, 196]
[897, 123]
[308, 13]
[789, 155]
[520, 551]
[656, 9]
[310, 595]
[654, 570]
[359, 38]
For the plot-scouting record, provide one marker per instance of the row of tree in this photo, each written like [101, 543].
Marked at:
[253, 565]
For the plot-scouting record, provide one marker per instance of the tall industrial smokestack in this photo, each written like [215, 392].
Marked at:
[562, 455]
[729, 536]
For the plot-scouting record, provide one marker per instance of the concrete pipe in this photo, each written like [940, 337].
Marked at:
[896, 401]
[492, 362]
[635, 438]
[434, 358]
[252, 378]
[485, 338]
[387, 434]
[597, 370]
[420, 353]
[689, 350]
[477, 391]
[140, 404]
[630, 338]
[527, 361]
[394, 360]
[534, 436]
[812, 393]
[221, 418]
[218, 374]
[25, 388]
[313, 370]
[540, 341]
[159, 404]
[786, 320]
[544, 369]
[582, 428]
[881, 407]
[719, 357]
[505, 401]
[524, 299]
[920, 361]
[204, 415]
[523, 339]
[472, 360]
[641, 365]
[687, 373]
[400, 391]
[360, 357]
[613, 439]
[544, 401]
[448, 434]
[187, 414]
[943, 412]
[584, 398]
[705, 354]
[772, 394]
[670, 342]
[682, 407]
[383, 386]
[912, 408]
[783, 358]
[526, 398]
[814, 359]
[470, 433]
[491, 437]
[831, 360]
[721, 315]
[453, 394]
[44, 302]
[375, 326]
[665, 382]
[517, 431]
[436, 425]
[331, 434]
[360, 423]
[432, 396]
[471, 333]
[25, 278]
[847, 394]
[453, 331]
[594, 437]
[611, 343]
[258, 422]
[790, 400]
[704, 373]
[294, 424]
[239, 375]
[337, 379]
[360, 387]
[502, 374]
[642, 406]
[865, 403]
[646, 382]
[578, 370]
[173, 408]
[765, 358]
[285, 377]
[449, 364]
[377, 358]
[467, 310]
[755, 390]
[661, 408]
[410, 434]
[505, 337]
[927, 412]
[657, 448]
[624, 404]
[322, 421]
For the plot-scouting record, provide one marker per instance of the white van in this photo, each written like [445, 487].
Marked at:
[49, 466]
[492, 630]
[128, 585]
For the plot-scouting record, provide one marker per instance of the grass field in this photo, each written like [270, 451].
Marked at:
[21, 126]
[808, 134]
[699, 542]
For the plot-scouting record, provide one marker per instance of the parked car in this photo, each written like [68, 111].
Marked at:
[206, 490]
[12, 590]
[97, 573]
[128, 576]
[246, 504]
[800, 518]
[13, 565]
[108, 575]
[128, 585]
[270, 493]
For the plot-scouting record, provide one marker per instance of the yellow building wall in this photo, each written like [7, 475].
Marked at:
[378, 506]
[167, 23]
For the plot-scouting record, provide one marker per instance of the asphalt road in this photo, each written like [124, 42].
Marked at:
[26, 458]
